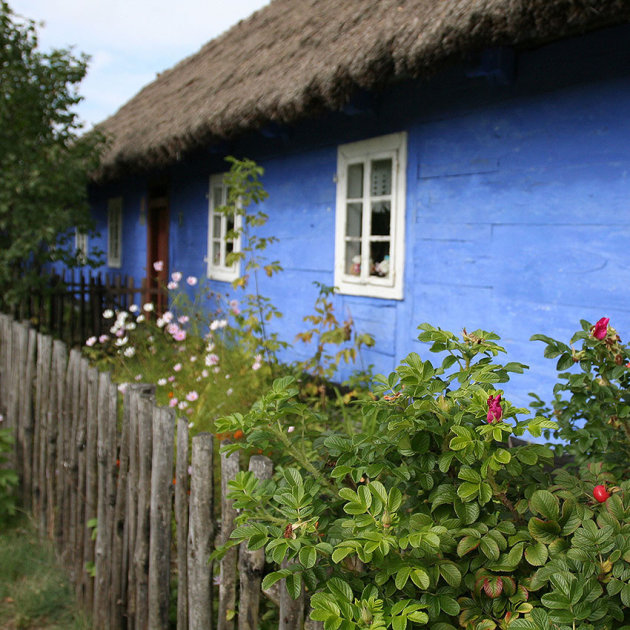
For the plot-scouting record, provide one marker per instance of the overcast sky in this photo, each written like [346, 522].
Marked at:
[129, 41]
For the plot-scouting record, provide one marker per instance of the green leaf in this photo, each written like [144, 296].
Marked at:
[466, 544]
[451, 574]
[543, 531]
[271, 578]
[401, 577]
[490, 548]
[294, 585]
[308, 557]
[420, 578]
[546, 504]
[536, 554]
[468, 491]
[468, 474]
[378, 490]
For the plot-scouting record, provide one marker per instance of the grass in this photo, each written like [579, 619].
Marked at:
[35, 593]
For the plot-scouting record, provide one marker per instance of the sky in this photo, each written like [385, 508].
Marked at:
[129, 41]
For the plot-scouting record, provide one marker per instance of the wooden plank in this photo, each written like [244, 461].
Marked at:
[141, 548]
[252, 562]
[44, 348]
[28, 420]
[160, 517]
[4, 363]
[226, 619]
[132, 507]
[19, 368]
[201, 530]
[102, 550]
[181, 520]
[291, 610]
[91, 484]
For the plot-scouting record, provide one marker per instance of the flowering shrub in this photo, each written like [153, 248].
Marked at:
[430, 520]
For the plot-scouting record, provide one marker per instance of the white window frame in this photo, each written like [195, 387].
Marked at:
[392, 146]
[221, 271]
[81, 245]
[114, 232]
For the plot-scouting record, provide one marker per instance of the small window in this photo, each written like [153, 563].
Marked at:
[114, 232]
[370, 217]
[81, 245]
[221, 237]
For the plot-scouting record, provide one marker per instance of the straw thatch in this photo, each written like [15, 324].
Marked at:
[293, 58]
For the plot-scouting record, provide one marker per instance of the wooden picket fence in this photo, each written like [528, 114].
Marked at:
[105, 480]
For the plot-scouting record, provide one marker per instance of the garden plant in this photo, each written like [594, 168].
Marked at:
[424, 517]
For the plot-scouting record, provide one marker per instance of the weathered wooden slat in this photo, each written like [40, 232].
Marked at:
[160, 515]
[201, 530]
[141, 549]
[19, 367]
[226, 619]
[132, 507]
[291, 611]
[44, 348]
[91, 484]
[27, 419]
[251, 562]
[102, 549]
[181, 520]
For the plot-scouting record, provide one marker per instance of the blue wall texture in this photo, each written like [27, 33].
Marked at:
[518, 188]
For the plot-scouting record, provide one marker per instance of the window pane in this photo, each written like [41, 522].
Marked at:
[229, 247]
[217, 196]
[216, 226]
[379, 259]
[354, 219]
[230, 223]
[381, 218]
[353, 258]
[381, 177]
[355, 181]
[216, 253]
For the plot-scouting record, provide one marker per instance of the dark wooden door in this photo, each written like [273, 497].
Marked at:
[157, 250]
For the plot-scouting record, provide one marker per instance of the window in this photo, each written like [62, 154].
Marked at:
[370, 217]
[219, 227]
[114, 232]
[81, 245]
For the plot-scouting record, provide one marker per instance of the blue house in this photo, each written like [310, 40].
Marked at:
[465, 163]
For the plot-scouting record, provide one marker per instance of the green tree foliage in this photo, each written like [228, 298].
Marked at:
[44, 160]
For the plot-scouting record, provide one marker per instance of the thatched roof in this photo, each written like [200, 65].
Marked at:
[294, 57]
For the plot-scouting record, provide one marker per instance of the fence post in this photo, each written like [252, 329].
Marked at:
[251, 562]
[161, 512]
[181, 519]
[27, 414]
[200, 534]
[141, 552]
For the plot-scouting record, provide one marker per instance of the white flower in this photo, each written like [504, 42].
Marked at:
[121, 317]
[204, 373]
[160, 322]
[90, 341]
[177, 367]
[122, 388]
[131, 326]
[134, 308]
[229, 391]
[191, 280]
[290, 429]
[161, 382]
[167, 317]
[192, 396]
[218, 323]
[158, 265]
[129, 351]
[190, 426]
[108, 313]
[176, 276]
[121, 341]
[140, 318]
[103, 338]
[138, 376]
[182, 404]
[193, 359]
[211, 359]
[171, 286]
[148, 307]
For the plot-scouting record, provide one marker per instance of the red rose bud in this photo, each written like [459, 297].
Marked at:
[600, 330]
[600, 493]
[495, 412]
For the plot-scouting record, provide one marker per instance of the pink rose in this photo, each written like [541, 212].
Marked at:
[495, 412]
[176, 276]
[600, 330]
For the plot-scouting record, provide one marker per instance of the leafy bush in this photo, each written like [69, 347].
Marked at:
[429, 519]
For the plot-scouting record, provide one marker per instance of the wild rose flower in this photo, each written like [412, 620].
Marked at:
[108, 313]
[192, 396]
[134, 308]
[182, 404]
[148, 307]
[180, 335]
[138, 376]
[131, 326]
[212, 359]
[158, 265]
[103, 338]
[122, 388]
[171, 378]
[176, 276]
[218, 323]
[177, 367]
[183, 319]
[495, 412]
[191, 280]
[204, 373]
[140, 318]
[129, 351]
[159, 322]
[172, 402]
[90, 341]
[257, 362]
[171, 286]
[167, 317]
[216, 369]
[121, 341]
[193, 359]
[234, 307]
[161, 382]
[171, 329]
[600, 330]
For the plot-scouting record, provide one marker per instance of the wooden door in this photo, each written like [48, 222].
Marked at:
[157, 250]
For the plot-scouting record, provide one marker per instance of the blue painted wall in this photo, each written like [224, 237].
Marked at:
[517, 203]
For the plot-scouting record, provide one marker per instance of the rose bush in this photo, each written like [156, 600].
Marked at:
[425, 517]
